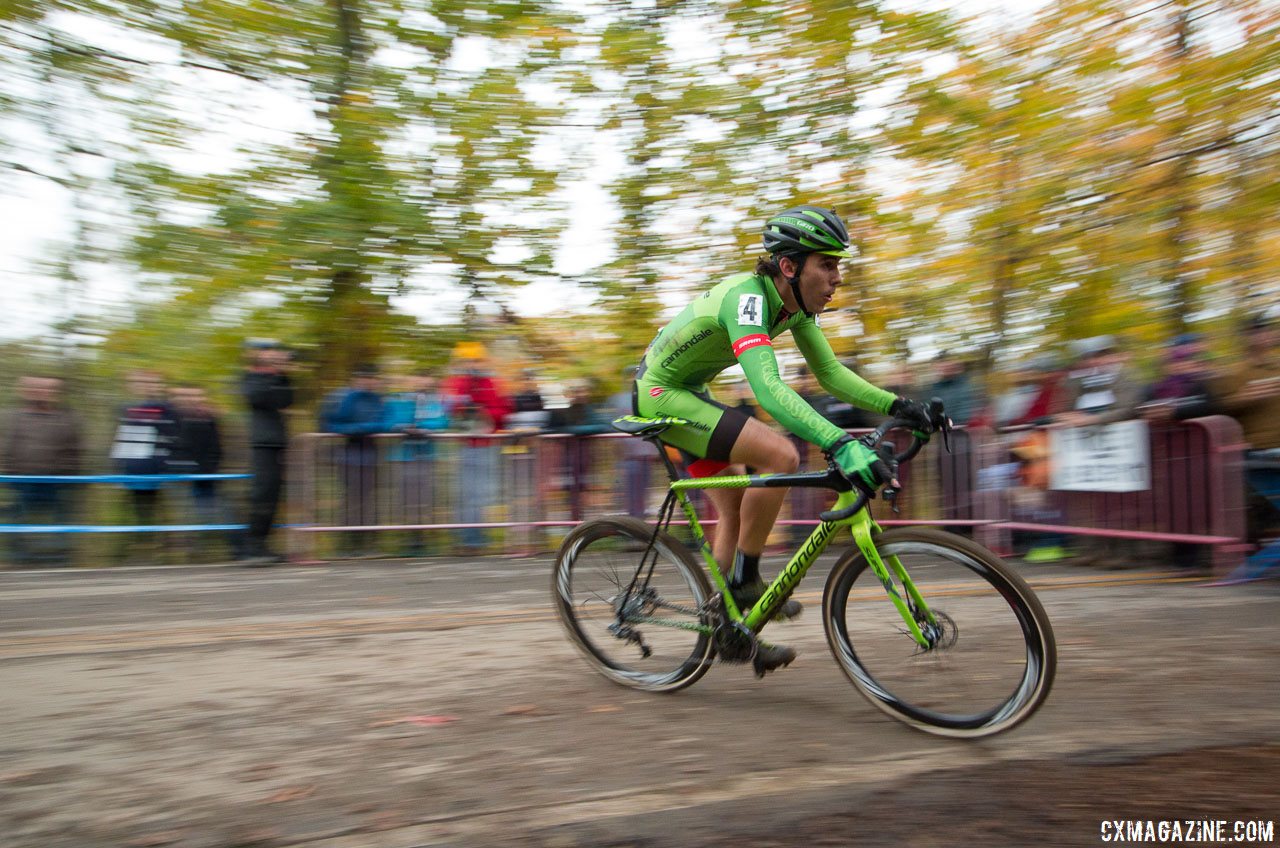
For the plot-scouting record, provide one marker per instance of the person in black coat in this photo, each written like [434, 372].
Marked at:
[268, 392]
[198, 450]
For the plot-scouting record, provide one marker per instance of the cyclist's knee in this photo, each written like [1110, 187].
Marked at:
[783, 459]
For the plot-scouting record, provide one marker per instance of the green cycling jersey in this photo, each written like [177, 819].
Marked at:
[736, 321]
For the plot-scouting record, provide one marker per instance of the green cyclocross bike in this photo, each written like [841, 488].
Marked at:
[935, 630]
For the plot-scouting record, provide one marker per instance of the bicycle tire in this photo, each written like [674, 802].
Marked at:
[608, 550]
[991, 622]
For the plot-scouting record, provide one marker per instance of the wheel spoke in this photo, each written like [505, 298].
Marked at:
[989, 681]
[598, 560]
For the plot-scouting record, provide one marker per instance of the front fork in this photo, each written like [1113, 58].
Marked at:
[912, 607]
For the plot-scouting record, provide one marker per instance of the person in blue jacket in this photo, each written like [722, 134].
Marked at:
[359, 413]
[415, 414]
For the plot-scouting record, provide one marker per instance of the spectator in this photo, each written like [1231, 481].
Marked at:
[415, 414]
[268, 392]
[1252, 394]
[476, 406]
[198, 450]
[584, 417]
[1013, 403]
[358, 412]
[143, 445]
[527, 398]
[42, 438]
[839, 413]
[520, 452]
[1101, 389]
[960, 396]
[898, 380]
[1183, 391]
[636, 454]
[528, 410]
[1050, 399]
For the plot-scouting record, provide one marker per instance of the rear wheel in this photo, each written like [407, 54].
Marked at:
[648, 639]
[992, 657]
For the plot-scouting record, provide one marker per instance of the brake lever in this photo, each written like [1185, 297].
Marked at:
[890, 495]
[941, 421]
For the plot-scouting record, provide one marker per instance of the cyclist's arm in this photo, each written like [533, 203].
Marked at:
[743, 316]
[780, 400]
[834, 377]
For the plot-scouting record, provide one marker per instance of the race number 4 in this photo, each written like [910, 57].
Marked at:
[751, 310]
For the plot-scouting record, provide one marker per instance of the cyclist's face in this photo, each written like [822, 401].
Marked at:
[818, 281]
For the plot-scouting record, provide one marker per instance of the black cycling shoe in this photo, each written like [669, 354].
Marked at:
[768, 657]
[747, 595]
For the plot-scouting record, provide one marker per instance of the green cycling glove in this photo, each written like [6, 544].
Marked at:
[860, 463]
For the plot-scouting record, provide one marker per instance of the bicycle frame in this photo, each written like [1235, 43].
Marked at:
[912, 607]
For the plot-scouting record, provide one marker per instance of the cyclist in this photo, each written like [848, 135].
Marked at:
[736, 321]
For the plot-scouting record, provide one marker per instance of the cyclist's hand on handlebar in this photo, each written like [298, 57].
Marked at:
[866, 468]
[917, 414]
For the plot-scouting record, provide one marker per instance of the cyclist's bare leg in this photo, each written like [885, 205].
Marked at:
[728, 504]
[768, 452]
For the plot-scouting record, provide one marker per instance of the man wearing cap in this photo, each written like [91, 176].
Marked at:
[268, 392]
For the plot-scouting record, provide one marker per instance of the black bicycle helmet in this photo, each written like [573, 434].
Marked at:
[807, 229]
[802, 230]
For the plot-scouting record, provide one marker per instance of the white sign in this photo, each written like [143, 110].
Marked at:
[1108, 458]
[134, 441]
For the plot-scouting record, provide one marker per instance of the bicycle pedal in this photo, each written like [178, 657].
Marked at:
[772, 657]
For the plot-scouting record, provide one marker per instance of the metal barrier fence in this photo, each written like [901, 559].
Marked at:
[1196, 497]
[48, 515]
[518, 494]
[497, 493]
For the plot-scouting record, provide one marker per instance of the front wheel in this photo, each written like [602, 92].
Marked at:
[991, 658]
[652, 637]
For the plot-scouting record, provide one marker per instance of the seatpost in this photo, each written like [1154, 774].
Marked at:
[672, 473]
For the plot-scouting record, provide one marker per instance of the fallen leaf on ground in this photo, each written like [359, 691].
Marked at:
[429, 719]
[525, 710]
[292, 793]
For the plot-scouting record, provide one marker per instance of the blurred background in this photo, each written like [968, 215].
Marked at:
[380, 181]
[374, 179]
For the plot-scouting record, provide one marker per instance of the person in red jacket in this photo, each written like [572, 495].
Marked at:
[476, 405]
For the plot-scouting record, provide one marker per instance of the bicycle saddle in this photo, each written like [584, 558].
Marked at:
[634, 425]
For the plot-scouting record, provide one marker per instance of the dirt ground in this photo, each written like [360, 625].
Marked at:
[441, 705]
[1030, 802]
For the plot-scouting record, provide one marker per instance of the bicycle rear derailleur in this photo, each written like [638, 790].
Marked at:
[631, 636]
